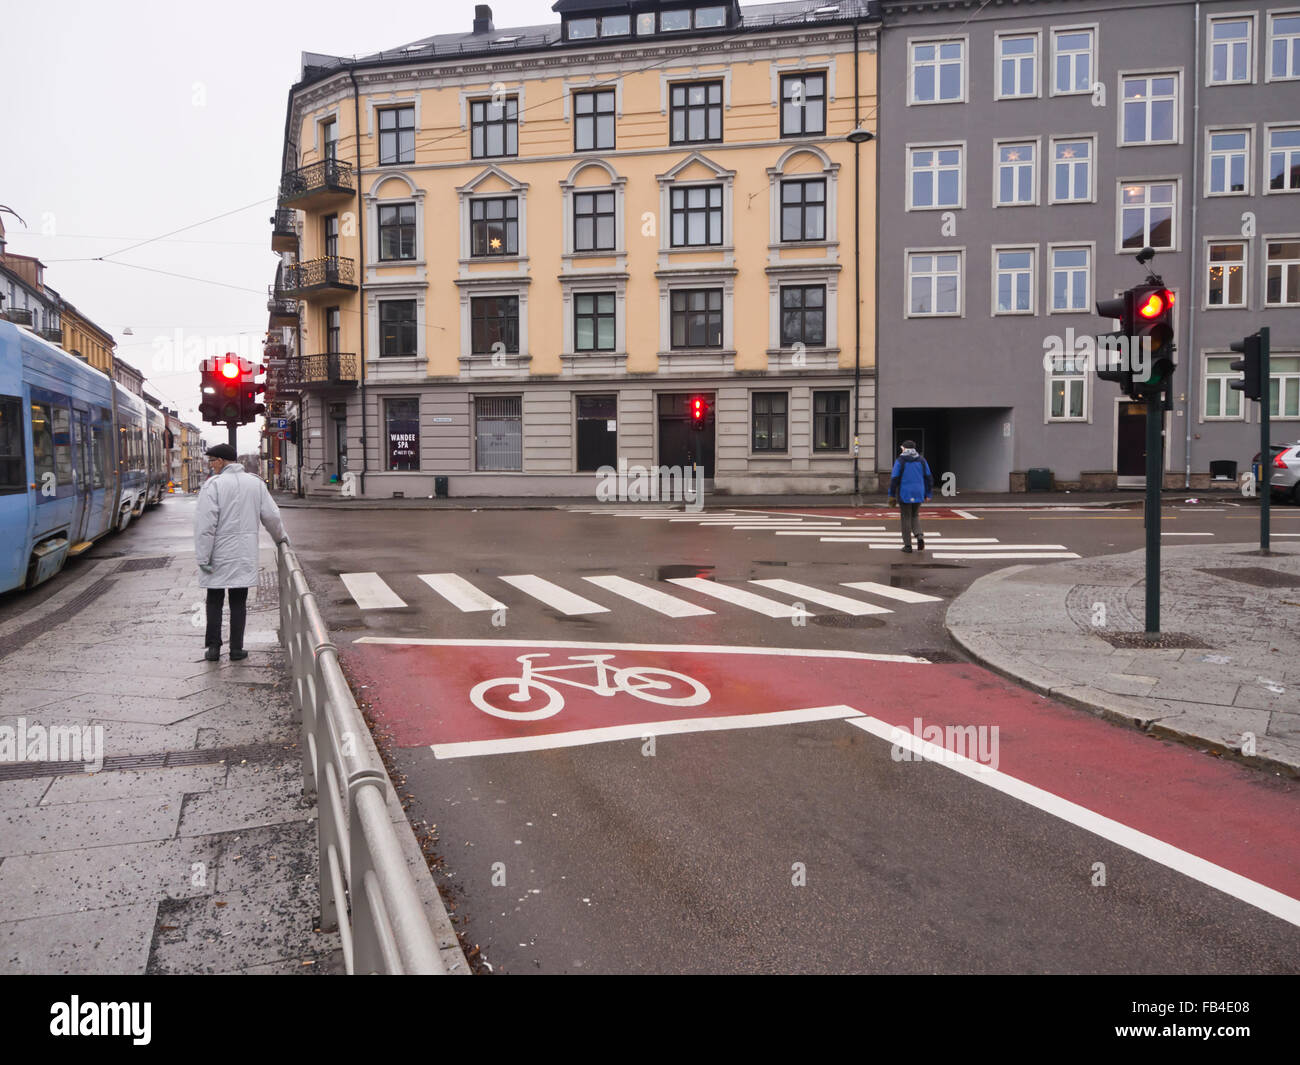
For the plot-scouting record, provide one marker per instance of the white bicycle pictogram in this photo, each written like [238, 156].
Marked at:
[641, 682]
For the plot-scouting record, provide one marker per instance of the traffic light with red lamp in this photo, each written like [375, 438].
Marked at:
[1153, 329]
[229, 390]
[699, 410]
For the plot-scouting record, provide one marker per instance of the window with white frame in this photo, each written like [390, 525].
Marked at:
[1013, 280]
[1071, 274]
[934, 177]
[1229, 44]
[1072, 61]
[1017, 180]
[937, 74]
[1017, 66]
[1072, 171]
[1150, 109]
[1147, 215]
[1226, 162]
[1284, 159]
[1225, 273]
[933, 283]
[1221, 401]
[696, 215]
[803, 209]
[1284, 45]
[1282, 273]
[1284, 386]
[1067, 389]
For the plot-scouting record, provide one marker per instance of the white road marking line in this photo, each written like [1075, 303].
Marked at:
[1185, 534]
[460, 593]
[684, 648]
[1009, 554]
[841, 603]
[1272, 533]
[649, 597]
[822, 532]
[903, 595]
[1157, 850]
[370, 591]
[966, 514]
[611, 733]
[983, 544]
[993, 545]
[553, 595]
[741, 598]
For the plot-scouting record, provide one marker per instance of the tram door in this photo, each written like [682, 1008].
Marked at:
[81, 457]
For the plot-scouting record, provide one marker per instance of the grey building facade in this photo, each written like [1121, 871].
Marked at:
[1027, 152]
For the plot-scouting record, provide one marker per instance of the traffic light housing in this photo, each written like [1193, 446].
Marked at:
[1152, 324]
[699, 411]
[1112, 358]
[249, 407]
[209, 406]
[1252, 382]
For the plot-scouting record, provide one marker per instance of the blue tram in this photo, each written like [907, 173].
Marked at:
[80, 456]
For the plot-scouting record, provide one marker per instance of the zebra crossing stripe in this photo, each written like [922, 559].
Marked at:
[651, 598]
[841, 603]
[869, 531]
[903, 595]
[984, 545]
[739, 597]
[553, 595]
[460, 593]
[1003, 554]
[370, 591]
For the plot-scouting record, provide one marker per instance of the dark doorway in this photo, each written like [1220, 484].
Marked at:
[1131, 442]
[680, 442]
[928, 429]
[597, 431]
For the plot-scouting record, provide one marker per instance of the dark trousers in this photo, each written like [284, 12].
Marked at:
[238, 615]
[910, 514]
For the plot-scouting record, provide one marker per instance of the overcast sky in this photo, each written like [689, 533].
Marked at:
[125, 121]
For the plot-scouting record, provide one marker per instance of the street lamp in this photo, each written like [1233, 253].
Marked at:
[858, 137]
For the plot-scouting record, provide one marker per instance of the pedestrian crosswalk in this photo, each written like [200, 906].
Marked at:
[874, 537]
[689, 597]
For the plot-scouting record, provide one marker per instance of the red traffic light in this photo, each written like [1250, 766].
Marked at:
[697, 408]
[1156, 304]
[230, 370]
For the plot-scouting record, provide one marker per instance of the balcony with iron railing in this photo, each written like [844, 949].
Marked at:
[19, 316]
[303, 373]
[54, 334]
[282, 308]
[317, 185]
[284, 230]
[327, 276]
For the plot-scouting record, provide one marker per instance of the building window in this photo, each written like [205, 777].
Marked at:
[593, 120]
[1225, 162]
[396, 135]
[1071, 171]
[397, 232]
[397, 327]
[1147, 216]
[937, 74]
[934, 177]
[494, 127]
[1284, 387]
[1150, 109]
[608, 26]
[934, 283]
[1282, 276]
[1226, 274]
[696, 216]
[330, 224]
[494, 226]
[1284, 159]
[329, 138]
[597, 431]
[402, 425]
[831, 421]
[803, 315]
[1220, 400]
[1071, 277]
[1017, 175]
[803, 209]
[1230, 60]
[1072, 61]
[1013, 282]
[1017, 66]
[498, 433]
[770, 415]
[333, 329]
[1067, 390]
[696, 317]
[593, 321]
[696, 113]
[803, 105]
[593, 221]
[494, 320]
[1284, 46]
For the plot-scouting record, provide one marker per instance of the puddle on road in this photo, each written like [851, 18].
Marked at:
[665, 573]
[844, 621]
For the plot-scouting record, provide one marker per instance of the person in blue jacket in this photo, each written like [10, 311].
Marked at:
[910, 484]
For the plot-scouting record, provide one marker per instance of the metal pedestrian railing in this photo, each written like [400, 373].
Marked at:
[367, 893]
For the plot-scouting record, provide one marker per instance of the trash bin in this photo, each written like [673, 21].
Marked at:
[440, 487]
[1039, 479]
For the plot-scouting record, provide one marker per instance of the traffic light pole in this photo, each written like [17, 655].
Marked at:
[1155, 477]
[231, 427]
[1265, 451]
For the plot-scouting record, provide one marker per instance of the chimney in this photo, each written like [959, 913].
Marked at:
[482, 18]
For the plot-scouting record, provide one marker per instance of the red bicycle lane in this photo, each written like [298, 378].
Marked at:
[454, 696]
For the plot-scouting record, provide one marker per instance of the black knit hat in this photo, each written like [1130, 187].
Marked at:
[223, 451]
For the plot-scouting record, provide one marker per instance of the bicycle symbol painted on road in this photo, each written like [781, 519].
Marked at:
[642, 682]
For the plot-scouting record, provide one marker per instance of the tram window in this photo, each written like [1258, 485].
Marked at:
[63, 445]
[42, 447]
[98, 452]
[13, 472]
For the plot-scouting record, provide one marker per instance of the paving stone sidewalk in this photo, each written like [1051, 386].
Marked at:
[1227, 669]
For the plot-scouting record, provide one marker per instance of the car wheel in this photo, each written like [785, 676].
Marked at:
[1295, 493]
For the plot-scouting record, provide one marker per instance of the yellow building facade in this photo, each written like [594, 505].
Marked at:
[522, 257]
[84, 337]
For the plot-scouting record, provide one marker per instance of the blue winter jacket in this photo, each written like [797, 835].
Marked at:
[911, 480]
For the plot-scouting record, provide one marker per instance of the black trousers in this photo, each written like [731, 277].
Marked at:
[238, 615]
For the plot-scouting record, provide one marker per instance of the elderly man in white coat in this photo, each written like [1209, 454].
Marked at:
[232, 503]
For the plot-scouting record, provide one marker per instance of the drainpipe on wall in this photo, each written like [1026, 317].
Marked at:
[361, 272]
[857, 271]
[1192, 361]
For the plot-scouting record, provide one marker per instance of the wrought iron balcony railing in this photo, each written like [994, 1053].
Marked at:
[325, 180]
[333, 369]
[19, 316]
[54, 335]
[279, 305]
[284, 230]
[314, 275]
